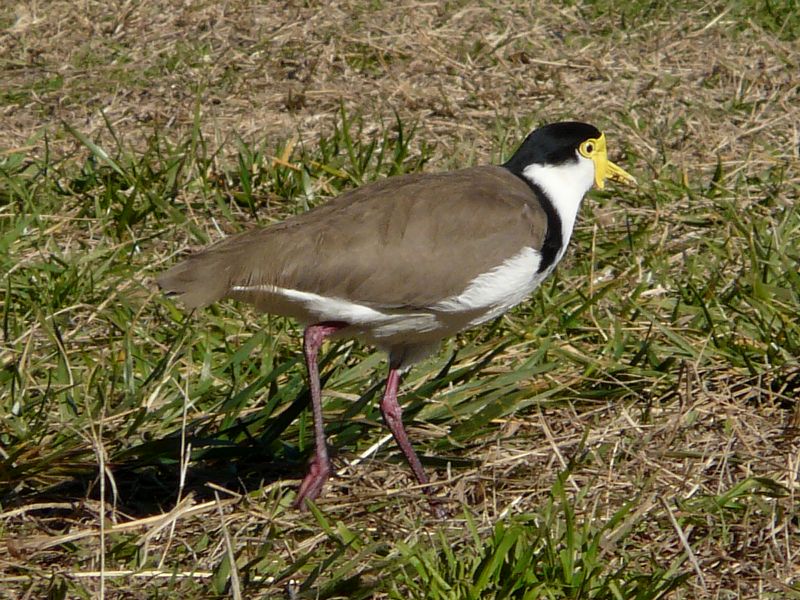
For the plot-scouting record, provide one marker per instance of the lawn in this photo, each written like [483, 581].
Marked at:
[630, 432]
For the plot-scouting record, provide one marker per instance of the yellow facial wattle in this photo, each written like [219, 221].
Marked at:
[595, 149]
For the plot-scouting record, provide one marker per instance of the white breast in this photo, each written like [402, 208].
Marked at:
[491, 294]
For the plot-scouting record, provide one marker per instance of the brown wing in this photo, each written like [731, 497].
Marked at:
[404, 241]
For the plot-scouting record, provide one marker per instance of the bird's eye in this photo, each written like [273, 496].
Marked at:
[587, 148]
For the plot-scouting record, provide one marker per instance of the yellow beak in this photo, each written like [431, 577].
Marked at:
[605, 169]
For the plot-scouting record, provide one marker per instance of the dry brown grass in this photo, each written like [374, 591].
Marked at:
[678, 93]
[261, 70]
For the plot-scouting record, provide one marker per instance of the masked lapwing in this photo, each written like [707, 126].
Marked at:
[404, 262]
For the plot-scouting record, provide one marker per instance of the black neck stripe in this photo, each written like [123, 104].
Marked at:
[553, 240]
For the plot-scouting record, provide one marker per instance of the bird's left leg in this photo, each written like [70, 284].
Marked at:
[393, 415]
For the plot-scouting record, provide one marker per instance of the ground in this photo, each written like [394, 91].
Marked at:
[632, 431]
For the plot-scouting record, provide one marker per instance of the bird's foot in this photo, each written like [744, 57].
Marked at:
[318, 473]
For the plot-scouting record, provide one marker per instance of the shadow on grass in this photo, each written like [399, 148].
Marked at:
[243, 457]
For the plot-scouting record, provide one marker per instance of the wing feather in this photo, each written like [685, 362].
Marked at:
[407, 241]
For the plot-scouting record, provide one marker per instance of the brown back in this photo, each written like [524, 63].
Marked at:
[406, 241]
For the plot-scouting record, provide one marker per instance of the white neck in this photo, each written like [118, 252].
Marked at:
[565, 186]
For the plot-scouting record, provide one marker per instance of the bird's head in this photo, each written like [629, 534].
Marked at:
[577, 151]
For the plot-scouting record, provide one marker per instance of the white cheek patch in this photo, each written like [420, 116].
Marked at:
[565, 185]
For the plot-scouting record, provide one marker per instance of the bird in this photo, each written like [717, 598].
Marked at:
[406, 261]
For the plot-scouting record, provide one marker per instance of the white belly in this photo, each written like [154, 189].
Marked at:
[484, 298]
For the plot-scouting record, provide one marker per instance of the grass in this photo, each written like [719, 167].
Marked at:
[631, 432]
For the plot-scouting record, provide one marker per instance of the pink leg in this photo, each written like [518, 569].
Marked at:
[320, 467]
[393, 415]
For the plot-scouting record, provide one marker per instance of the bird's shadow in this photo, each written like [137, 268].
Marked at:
[241, 458]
